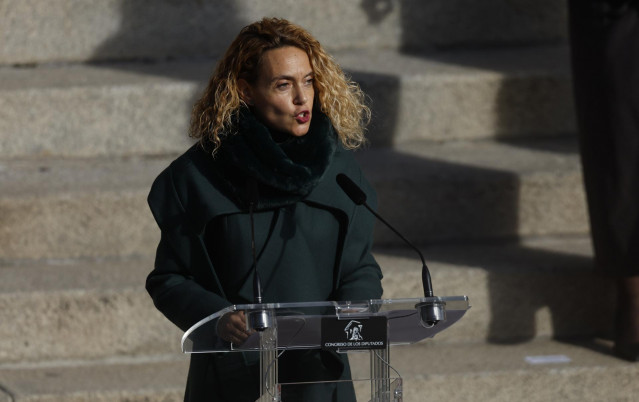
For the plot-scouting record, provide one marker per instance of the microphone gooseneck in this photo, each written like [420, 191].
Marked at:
[259, 319]
[253, 198]
[431, 312]
[358, 196]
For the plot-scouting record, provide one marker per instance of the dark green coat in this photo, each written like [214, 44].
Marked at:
[315, 249]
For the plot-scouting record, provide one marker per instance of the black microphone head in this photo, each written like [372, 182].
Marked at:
[351, 189]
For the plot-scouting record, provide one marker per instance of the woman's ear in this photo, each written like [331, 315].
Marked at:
[245, 91]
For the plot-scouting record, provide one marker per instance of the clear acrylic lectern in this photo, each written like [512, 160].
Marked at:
[373, 326]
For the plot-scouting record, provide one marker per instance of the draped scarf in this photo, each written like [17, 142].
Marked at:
[285, 171]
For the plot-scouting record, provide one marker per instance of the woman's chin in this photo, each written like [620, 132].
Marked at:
[300, 131]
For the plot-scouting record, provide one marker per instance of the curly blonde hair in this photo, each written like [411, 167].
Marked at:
[340, 98]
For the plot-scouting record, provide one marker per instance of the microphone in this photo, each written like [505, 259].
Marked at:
[260, 319]
[431, 312]
[253, 198]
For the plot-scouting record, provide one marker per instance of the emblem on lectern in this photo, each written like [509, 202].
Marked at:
[363, 333]
[353, 331]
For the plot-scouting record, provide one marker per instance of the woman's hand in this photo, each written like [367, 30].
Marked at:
[232, 327]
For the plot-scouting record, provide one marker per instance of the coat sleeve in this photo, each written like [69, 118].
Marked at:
[175, 285]
[360, 275]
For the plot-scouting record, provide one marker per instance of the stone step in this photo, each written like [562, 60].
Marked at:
[58, 209]
[465, 94]
[68, 208]
[65, 30]
[540, 371]
[80, 310]
[478, 190]
[140, 379]
[143, 109]
[91, 310]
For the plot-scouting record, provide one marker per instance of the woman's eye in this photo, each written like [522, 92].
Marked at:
[282, 85]
[309, 81]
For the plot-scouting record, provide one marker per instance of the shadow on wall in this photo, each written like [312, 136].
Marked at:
[469, 23]
[554, 281]
[559, 283]
[172, 30]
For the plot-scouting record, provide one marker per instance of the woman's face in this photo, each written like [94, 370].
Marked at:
[282, 95]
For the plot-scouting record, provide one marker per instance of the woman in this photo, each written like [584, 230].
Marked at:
[278, 112]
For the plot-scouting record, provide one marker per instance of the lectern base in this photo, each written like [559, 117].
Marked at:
[392, 393]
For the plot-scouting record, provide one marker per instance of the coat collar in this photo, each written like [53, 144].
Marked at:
[208, 197]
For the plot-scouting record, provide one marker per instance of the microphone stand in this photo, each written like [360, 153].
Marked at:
[432, 311]
[260, 319]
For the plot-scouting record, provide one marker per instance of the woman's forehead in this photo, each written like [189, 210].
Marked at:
[286, 62]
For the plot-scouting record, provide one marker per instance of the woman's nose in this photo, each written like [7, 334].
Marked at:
[300, 96]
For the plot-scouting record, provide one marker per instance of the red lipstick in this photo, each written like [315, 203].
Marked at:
[303, 117]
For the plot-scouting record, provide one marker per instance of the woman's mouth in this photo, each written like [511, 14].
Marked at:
[303, 117]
